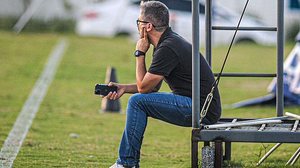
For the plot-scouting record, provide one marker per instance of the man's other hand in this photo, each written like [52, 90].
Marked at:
[115, 95]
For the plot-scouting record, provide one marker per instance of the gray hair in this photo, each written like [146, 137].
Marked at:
[156, 13]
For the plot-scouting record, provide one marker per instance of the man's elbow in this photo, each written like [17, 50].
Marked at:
[144, 90]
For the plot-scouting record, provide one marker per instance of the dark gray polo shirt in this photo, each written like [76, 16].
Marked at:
[172, 58]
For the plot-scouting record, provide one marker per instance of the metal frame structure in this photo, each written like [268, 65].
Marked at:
[219, 136]
[280, 48]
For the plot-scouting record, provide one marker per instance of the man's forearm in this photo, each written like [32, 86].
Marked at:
[140, 72]
[130, 88]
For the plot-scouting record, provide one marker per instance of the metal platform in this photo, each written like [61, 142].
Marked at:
[268, 133]
[286, 132]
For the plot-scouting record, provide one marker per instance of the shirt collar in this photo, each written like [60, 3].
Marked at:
[165, 34]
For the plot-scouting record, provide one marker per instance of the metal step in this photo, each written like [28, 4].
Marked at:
[246, 75]
[245, 28]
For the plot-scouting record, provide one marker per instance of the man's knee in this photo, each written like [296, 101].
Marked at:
[137, 103]
[136, 99]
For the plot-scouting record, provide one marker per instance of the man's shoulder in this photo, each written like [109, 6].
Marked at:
[174, 36]
[175, 42]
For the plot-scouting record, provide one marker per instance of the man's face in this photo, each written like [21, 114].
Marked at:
[144, 26]
[141, 24]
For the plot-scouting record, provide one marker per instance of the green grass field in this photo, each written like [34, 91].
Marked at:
[71, 107]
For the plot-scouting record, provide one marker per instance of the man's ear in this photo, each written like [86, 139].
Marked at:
[149, 27]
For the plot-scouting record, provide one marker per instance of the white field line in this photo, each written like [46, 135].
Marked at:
[20, 129]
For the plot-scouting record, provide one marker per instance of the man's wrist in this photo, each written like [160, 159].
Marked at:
[125, 88]
[139, 53]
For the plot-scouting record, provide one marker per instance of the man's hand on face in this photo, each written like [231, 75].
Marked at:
[143, 43]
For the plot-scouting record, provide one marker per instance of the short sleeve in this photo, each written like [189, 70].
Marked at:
[164, 61]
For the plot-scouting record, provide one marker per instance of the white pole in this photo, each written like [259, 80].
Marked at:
[243, 123]
[23, 20]
[292, 115]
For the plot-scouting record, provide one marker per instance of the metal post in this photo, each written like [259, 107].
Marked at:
[218, 154]
[227, 151]
[280, 55]
[196, 66]
[195, 154]
[194, 148]
[208, 30]
[195, 80]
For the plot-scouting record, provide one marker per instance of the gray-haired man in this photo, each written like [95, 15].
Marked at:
[172, 62]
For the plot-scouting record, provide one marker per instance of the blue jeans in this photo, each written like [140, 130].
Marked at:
[168, 107]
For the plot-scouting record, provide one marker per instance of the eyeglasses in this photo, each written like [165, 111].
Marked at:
[141, 21]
